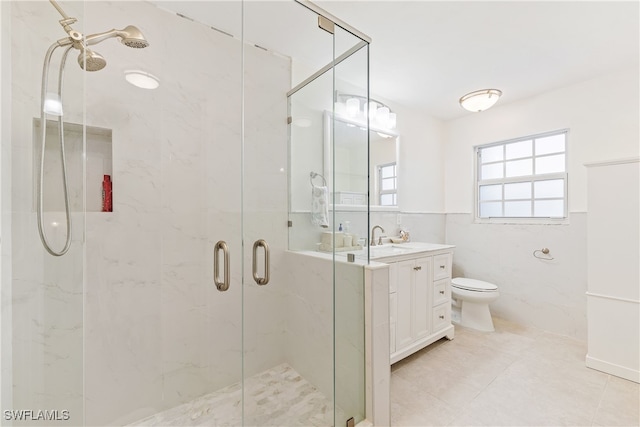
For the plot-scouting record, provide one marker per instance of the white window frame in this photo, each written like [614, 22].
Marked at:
[528, 178]
[382, 192]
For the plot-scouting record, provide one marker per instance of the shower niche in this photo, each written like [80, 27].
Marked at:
[99, 162]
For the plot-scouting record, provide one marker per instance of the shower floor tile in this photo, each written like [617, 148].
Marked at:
[276, 397]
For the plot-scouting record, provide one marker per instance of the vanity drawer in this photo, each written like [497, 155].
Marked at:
[441, 267]
[441, 292]
[441, 317]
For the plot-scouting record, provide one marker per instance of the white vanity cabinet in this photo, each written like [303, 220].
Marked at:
[419, 301]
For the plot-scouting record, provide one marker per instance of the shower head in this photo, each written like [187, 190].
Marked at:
[132, 37]
[90, 60]
[129, 36]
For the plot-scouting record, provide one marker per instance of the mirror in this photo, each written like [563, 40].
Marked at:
[351, 167]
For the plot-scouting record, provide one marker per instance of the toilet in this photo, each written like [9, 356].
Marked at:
[470, 299]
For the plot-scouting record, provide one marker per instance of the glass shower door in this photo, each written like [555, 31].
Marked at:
[287, 301]
[303, 338]
[163, 345]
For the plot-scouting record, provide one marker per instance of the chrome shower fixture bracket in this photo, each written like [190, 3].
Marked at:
[66, 22]
[89, 60]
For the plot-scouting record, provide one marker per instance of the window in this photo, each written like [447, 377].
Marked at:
[388, 184]
[523, 178]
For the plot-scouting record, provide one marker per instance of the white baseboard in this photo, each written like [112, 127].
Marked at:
[613, 369]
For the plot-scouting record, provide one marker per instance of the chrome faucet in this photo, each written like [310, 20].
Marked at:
[373, 235]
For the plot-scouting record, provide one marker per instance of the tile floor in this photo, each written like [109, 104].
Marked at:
[276, 397]
[515, 376]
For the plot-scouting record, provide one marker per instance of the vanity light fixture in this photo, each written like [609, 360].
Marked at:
[142, 79]
[480, 100]
[379, 115]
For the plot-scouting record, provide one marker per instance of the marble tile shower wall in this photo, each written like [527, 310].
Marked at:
[310, 342]
[47, 317]
[156, 332]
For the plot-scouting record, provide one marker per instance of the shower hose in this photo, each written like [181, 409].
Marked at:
[43, 127]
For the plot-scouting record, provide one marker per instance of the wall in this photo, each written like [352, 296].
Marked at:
[602, 116]
[421, 162]
[613, 297]
[46, 295]
[421, 167]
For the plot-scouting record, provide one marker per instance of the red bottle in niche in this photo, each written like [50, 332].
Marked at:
[107, 201]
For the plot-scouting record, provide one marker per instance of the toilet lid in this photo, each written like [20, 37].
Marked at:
[473, 285]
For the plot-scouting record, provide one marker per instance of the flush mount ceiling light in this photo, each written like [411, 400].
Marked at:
[480, 100]
[142, 79]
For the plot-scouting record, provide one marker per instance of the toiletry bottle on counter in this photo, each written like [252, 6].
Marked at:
[107, 201]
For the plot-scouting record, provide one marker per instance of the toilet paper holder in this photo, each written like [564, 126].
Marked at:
[543, 251]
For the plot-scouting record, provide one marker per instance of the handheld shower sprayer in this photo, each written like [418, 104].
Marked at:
[129, 36]
[89, 61]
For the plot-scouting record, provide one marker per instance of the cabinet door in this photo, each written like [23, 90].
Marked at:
[404, 299]
[421, 297]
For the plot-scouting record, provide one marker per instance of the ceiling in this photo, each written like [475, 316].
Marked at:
[427, 54]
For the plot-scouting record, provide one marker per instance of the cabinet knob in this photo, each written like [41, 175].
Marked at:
[442, 266]
[442, 292]
[441, 316]
[417, 268]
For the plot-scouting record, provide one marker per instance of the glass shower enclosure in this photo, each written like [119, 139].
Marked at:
[199, 296]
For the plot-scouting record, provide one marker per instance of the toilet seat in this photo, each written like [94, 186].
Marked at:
[473, 285]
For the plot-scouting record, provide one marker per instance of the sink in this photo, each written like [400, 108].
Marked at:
[421, 246]
[394, 249]
[387, 250]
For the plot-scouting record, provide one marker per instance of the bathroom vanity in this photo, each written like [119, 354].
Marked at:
[419, 294]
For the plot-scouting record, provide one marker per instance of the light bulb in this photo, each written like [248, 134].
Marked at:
[353, 107]
[382, 116]
[393, 120]
[372, 108]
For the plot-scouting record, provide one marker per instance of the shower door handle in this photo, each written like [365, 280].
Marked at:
[222, 285]
[265, 279]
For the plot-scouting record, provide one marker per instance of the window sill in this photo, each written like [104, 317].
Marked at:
[523, 221]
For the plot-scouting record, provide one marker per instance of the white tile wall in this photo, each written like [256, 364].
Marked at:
[549, 295]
